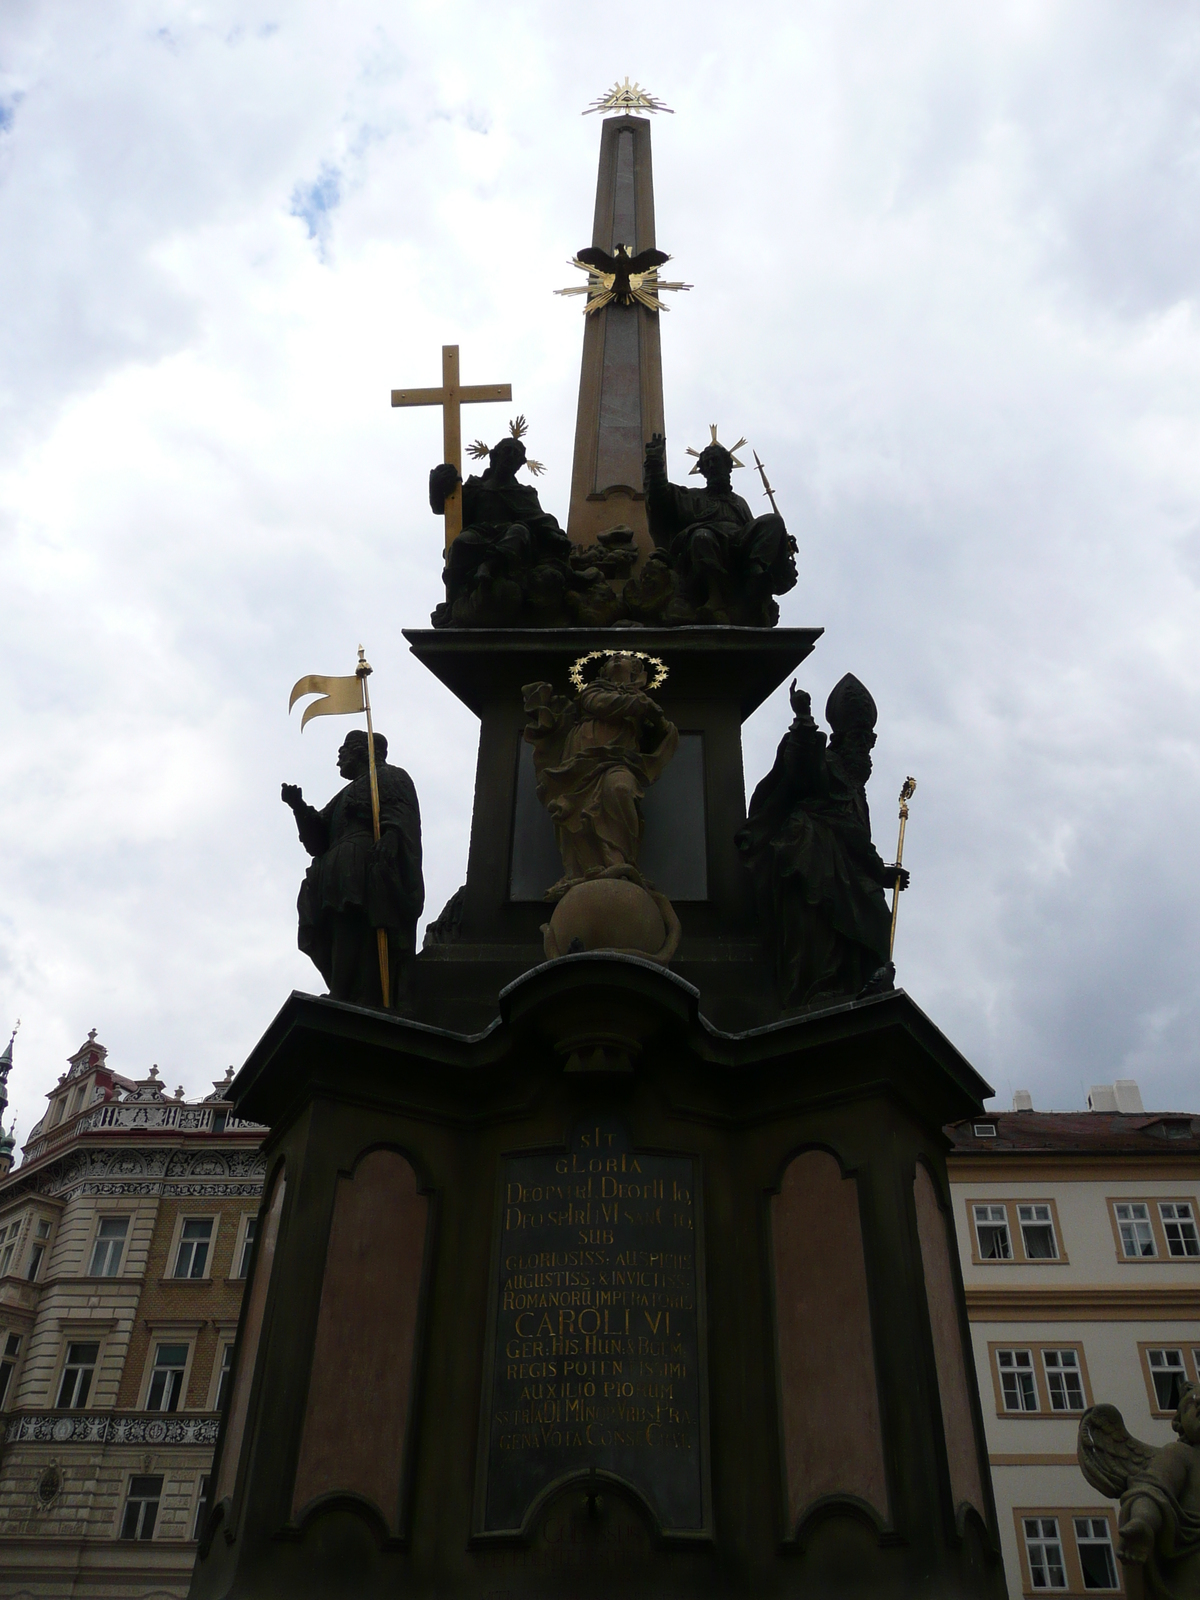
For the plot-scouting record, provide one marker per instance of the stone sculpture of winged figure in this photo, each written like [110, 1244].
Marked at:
[1159, 1489]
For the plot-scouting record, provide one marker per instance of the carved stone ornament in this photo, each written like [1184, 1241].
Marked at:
[1158, 1525]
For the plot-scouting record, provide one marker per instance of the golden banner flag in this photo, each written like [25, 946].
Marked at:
[338, 696]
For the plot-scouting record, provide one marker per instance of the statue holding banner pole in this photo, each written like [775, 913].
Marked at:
[361, 897]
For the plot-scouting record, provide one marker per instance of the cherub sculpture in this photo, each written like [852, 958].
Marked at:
[1159, 1521]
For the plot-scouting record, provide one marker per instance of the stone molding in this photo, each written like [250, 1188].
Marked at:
[104, 1428]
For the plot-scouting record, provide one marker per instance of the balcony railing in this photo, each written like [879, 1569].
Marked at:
[124, 1117]
[108, 1427]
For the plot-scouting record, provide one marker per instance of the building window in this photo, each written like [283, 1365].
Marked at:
[76, 1382]
[243, 1265]
[192, 1256]
[1037, 1233]
[12, 1349]
[166, 1378]
[1016, 1380]
[985, 1130]
[1133, 1224]
[1166, 1374]
[1093, 1540]
[141, 1508]
[201, 1507]
[991, 1230]
[1063, 1379]
[1179, 1225]
[6, 1254]
[223, 1380]
[1044, 1550]
[110, 1242]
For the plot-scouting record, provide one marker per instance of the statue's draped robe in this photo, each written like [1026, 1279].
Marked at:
[1171, 1479]
[593, 759]
[807, 842]
[354, 886]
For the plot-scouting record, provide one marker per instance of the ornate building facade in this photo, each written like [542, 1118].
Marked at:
[125, 1238]
[1078, 1237]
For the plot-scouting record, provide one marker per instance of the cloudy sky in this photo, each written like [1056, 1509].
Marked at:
[946, 265]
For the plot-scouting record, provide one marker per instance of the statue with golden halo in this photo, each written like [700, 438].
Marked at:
[594, 756]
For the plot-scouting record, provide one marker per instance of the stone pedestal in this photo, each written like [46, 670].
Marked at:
[602, 1299]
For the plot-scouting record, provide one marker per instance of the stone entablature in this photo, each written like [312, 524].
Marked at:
[107, 1427]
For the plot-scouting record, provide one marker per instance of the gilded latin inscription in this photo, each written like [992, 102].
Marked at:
[596, 1360]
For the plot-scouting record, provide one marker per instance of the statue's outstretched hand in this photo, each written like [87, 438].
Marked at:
[896, 875]
[442, 480]
[656, 452]
[801, 702]
[1137, 1540]
[290, 794]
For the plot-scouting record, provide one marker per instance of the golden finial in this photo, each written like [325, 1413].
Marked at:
[627, 97]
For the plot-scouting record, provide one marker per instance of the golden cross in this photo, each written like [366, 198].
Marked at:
[451, 396]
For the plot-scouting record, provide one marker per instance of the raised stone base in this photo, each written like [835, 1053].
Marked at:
[603, 1298]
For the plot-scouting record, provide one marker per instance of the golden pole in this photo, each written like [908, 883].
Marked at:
[362, 672]
[906, 794]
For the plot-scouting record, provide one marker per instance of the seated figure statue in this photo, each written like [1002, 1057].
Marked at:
[807, 843]
[511, 564]
[728, 563]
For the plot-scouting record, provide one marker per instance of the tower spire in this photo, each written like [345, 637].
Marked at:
[620, 383]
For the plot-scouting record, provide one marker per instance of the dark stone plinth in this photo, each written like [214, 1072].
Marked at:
[717, 678]
[752, 1426]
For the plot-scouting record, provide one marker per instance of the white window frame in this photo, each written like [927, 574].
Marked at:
[108, 1216]
[10, 1360]
[1040, 1541]
[1091, 1538]
[1060, 1368]
[1132, 1222]
[1165, 1367]
[226, 1340]
[71, 1337]
[168, 1334]
[241, 1250]
[202, 1504]
[1185, 1226]
[125, 1499]
[178, 1241]
[1036, 1221]
[1017, 1369]
[991, 1221]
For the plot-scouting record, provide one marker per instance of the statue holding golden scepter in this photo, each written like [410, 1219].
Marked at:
[907, 790]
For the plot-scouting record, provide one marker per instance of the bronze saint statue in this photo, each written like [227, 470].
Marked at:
[807, 843]
[511, 564]
[355, 885]
[1158, 1525]
[728, 563]
[594, 756]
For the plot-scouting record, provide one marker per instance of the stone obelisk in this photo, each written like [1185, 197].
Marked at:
[620, 384]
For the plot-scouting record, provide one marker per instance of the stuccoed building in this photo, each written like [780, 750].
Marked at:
[1078, 1236]
[125, 1238]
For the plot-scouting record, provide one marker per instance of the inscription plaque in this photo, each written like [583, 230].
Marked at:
[597, 1350]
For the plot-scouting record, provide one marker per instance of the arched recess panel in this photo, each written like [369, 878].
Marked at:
[361, 1389]
[957, 1422]
[247, 1349]
[828, 1397]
